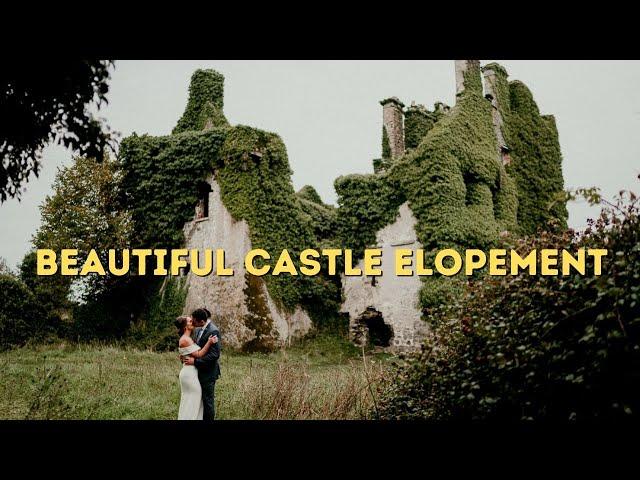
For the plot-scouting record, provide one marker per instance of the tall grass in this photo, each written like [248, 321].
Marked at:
[293, 391]
[321, 378]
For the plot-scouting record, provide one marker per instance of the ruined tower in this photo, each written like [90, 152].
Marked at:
[490, 85]
[463, 68]
[393, 126]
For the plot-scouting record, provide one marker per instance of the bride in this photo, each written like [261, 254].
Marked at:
[191, 407]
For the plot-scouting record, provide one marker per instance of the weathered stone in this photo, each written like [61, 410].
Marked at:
[394, 297]
[227, 297]
[490, 81]
[393, 123]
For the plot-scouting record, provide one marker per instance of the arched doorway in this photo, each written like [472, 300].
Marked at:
[370, 329]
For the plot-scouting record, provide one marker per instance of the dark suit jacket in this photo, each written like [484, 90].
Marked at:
[208, 366]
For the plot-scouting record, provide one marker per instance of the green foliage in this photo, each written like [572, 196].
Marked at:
[323, 217]
[535, 152]
[453, 180]
[537, 347]
[258, 189]
[45, 101]
[155, 329]
[83, 213]
[309, 193]
[109, 313]
[366, 203]
[386, 148]
[472, 79]
[20, 315]
[206, 102]
[4, 267]
[457, 189]
[417, 123]
[51, 294]
[160, 176]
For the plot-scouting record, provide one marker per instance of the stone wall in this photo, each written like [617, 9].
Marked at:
[227, 297]
[393, 123]
[498, 123]
[395, 297]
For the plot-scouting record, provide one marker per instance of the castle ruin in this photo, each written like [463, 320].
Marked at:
[448, 178]
[387, 311]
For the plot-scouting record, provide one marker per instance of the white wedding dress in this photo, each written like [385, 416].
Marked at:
[191, 407]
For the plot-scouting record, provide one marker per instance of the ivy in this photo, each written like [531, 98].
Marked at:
[322, 217]
[159, 182]
[160, 175]
[456, 186]
[417, 123]
[206, 102]
[309, 193]
[457, 189]
[366, 203]
[386, 148]
[255, 182]
[535, 152]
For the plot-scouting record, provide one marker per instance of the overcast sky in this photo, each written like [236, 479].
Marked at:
[328, 115]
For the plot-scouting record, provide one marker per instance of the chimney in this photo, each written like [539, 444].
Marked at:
[462, 68]
[393, 125]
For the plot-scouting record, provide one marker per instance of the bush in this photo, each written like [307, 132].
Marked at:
[20, 315]
[537, 347]
[156, 330]
[51, 294]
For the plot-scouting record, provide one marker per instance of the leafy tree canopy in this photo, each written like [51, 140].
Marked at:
[44, 102]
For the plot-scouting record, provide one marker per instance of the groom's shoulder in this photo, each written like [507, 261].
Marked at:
[214, 327]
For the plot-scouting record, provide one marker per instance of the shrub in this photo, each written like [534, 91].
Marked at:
[537, 347]
[20, 315]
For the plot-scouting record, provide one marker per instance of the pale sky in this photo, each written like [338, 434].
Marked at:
[328, 115]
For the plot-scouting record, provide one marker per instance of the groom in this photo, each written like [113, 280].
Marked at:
[208, 368]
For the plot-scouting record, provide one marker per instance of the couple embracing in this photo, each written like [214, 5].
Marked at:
[199, 348]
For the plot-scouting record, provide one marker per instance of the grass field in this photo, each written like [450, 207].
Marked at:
[320, 378]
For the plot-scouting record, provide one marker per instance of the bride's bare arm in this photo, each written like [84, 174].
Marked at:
[203, 351]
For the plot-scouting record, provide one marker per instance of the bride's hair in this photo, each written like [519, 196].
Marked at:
[181, 324]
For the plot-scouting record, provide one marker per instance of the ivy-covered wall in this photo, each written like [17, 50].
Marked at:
[366, 203]
[323, 217]
[206, 102]
[417, 123]
[456, 186]
[536, 160]
[457, 189]
[258, 189]
[160, 177]
[454, 180]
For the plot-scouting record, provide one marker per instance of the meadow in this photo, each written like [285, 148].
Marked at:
[319, 378]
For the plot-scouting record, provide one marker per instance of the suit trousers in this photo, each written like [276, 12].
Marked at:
[208, 385]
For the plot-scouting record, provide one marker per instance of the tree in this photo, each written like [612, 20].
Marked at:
[20, 315]
[84, 213]
[47, 101]
[4, 267]
[51, 293]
